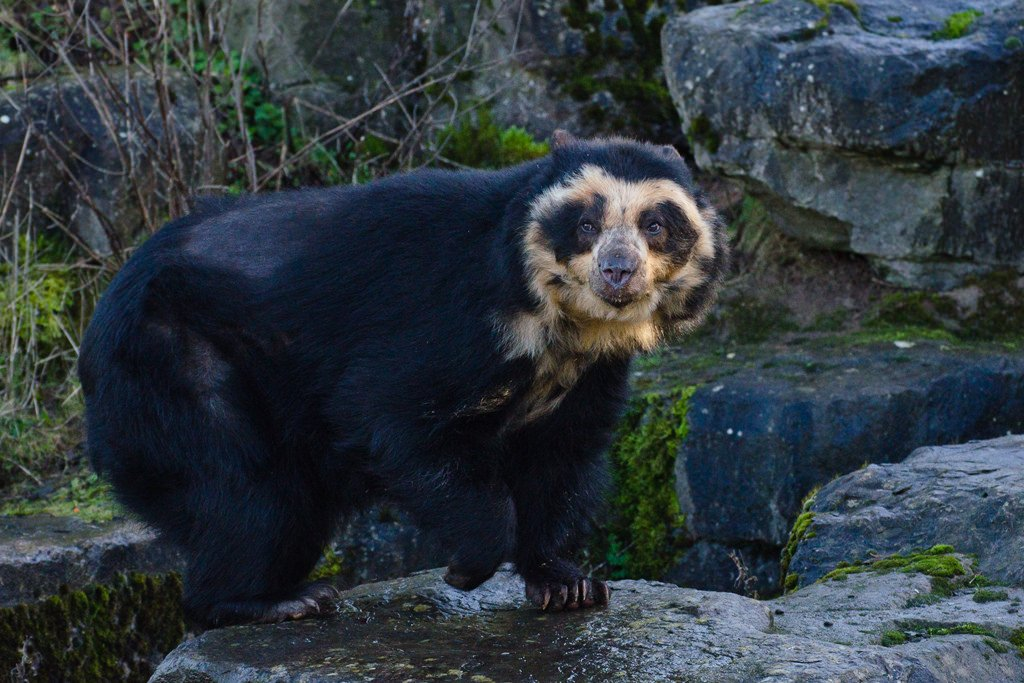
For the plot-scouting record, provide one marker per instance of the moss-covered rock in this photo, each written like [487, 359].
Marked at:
[647, 533]
[118, 631]
[939, 561]
[802, 529]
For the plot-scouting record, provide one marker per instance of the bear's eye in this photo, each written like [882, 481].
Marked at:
[587, 227]
[654, 228]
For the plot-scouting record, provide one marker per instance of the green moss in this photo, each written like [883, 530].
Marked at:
[645, 539]
[911, 309]
[635, 83]
[85, 496]
[937, 561]
[1017, 640]
[480, 143]
[957, 25]
[894, 19]
[802, 529]
[329, 566]
[959, 629]
[1013, 43]
[988, 595]
[99, 633]
[826, 6]
[891, 638]
[997, 646]
[702, 133]
[751, 321]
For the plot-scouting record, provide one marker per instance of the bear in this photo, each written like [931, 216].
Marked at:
[453, 343]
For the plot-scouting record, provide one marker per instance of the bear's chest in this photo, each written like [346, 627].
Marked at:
[534, 393]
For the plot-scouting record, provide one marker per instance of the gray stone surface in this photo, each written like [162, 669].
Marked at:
[861, 132]
[39, 554]
[332, 54]
[764, 430]
[420, 629]
[969, 496]
[111, 136]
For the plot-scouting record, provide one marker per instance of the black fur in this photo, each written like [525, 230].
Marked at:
[263, 367]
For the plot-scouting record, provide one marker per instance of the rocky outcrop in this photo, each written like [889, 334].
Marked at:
[970, 497]
[421, 629]
[877, 127]
[99, 152]
[765, 429]
[590, 67]
[41, 555]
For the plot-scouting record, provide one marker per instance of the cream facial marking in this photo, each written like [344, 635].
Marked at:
[573, 323]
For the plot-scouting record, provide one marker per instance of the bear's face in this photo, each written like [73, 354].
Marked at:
[621, 242]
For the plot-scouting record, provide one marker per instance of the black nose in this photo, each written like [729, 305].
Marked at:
[617, 268]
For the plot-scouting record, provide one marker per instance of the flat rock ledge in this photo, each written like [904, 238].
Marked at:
[40, 554]
[418, 628]
[968, 496]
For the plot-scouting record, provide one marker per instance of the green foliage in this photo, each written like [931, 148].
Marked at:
[481, 143]
[37, 298]
[1013, 43]
[957, 25]
[645, 539]
[99, 633]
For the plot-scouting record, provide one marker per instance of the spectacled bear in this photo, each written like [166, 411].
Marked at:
[455, 343]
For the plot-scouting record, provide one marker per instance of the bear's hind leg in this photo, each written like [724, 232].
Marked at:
[251, 554]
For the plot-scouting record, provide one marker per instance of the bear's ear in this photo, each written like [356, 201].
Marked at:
[562, 138]
[671, 152]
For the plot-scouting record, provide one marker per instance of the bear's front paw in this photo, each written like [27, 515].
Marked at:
[571, 593]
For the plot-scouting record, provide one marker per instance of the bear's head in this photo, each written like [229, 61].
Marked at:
[620, 243]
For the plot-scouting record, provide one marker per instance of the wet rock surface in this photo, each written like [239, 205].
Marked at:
[40, 554]
[918, 166]
[969, 496]
[765, 430]
[419, 628]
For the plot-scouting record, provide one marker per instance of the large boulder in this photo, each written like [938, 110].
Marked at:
[870, 126]
[768, 425]
[99, 153]
[421, 629]
[970, 497]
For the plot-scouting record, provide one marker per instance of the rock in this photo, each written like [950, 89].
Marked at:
[382, 543]
[969, 496]
[41, 554]
[419, 628]
[538, 64]
[861, 131]
[768, 425]
[77, 127]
